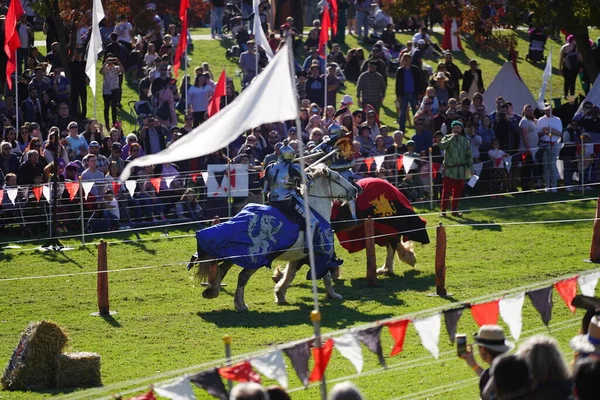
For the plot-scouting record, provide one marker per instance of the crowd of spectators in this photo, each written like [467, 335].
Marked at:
[54, 126]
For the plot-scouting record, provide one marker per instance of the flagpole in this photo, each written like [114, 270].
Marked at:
[315, 314]
[186, 79]
[17, 88]
[229, 196]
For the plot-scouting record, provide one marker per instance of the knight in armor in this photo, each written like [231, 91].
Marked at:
[342, 161]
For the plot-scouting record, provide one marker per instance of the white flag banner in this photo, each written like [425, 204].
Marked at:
[131, 185]
[477, 168]
[95, 44]
[46, 192]
[12, 194]
[508, 163]
[587, 284]
[271, 97]
[259, 34]
[272, 366]
[429, 332]
[87, 187]
[349, 347]
[546, 76]
[169, 180]
[379, 162]
[407, 163]
[511, 312]
[179, 390]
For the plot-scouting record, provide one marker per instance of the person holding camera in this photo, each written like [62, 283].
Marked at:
[153, 135]
[111, 70]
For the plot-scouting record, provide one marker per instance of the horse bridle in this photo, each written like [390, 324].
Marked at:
[331, 196]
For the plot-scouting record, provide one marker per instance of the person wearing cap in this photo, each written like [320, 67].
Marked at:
[377, 58]
[76, 140]
[115, 156]
[549, 132]
[409, 88]
[346, 101]
[371, 87]
[458, 165]
[442, 93]
[491, 343]
[473, 80]
[101, 161]
[333, 84]
[314, 57]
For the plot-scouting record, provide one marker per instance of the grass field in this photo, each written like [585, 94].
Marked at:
[163, 323]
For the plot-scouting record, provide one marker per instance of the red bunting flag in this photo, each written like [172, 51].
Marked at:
[146, 396]
[72, 188]
[11, 38]
[261, 174]
[436, 168]
[1, 196]
[325, 26]
[215, 102]
[399, 162]
[194, 177]
[334, 8]
[567, 290]
[485, 313]
[116, 187]
[241, 372]
[398, 331]
[181, 49]
[156, 183]
[37, 192]
[321, 356]
[498, 161]
[368, 162]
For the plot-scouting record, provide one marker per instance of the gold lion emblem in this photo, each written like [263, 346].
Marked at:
[383, 207]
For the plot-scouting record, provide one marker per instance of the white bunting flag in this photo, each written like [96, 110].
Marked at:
[560, 167]
[473, 181]
[131, 185]
[546, 76]
[349, 346]
[169, 180]
[533, 152]
[508, 163]
[205, 177]
[511, 312]
[259, 35]
[407, 162]
[587, 284]
[12, 194]
[429, 332]
[46, 192]
[61, 189]
[87, 187]
[179, 390]
[272, 366]
[379, 161]
[477, 168]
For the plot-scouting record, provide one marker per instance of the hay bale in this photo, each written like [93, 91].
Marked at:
[78, 370]
[33, 362]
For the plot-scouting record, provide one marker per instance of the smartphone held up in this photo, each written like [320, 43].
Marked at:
[461, 344]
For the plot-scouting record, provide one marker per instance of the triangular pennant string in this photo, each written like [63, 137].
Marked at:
[72, 188]
[149, 395]
[368, 162]
[241, 372]
[429, 332]
[407, 163]
[169, 180]
[299, 356]
[399, 162]
[1, 196]
[567, 289]
[511, 310]
[45, 192]
[37, 192]
[508, 163]
[477, 168]
[12, 194]
[379, 162]
[436, 169]
[179, 390]
[372, 339]
[205, 177]
[451, 318]
[272, 366]
[398, 332]
[87, 187]
[587, 283]
[349, 347]
[194, 177]
[131, 185]
[116, 187]
[497, 162]
[156, 183]
[321, 355]
[212, 383]
[542, 302]
[485, 313]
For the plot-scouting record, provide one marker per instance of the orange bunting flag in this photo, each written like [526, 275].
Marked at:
[399, 162]
[436, 168]
[37, 192]
[368, 162]
[1, 195]
[116, 187]
[321, 356]
[486, 313]
[72, 188]
[194, 177]
[241, 372]
[156, 183]
[398, 331]
[567, 290]
[261, 174]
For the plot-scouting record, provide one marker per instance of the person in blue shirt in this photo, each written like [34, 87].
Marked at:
[314, 57]
[423, 139]
[410, 86]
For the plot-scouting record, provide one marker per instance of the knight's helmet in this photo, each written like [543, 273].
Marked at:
[286, 152]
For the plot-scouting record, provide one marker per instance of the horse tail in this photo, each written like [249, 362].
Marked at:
[406, 253]
[206, 270]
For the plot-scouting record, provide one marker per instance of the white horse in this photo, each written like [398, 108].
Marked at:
[327, 186]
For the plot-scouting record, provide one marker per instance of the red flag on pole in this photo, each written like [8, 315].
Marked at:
[11, 38]
[325, 26]
[182, 44]
[183, 7]
[215, 102]
[334, 7]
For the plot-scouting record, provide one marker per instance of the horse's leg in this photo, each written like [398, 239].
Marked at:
[388, 267]
[238, 299]
[289, 273]
[277, 274]
[331, 294]
[406, 253]
[215, 286]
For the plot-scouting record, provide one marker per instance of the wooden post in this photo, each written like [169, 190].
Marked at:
[212, 269]
[370, 249]
[595, 248]
[103, 308]
[440, 261]
[227, 340]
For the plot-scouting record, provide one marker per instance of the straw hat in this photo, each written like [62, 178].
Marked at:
[492, 337]
[589, 343]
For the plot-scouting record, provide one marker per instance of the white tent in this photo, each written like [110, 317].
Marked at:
[593, 96]
[508, 85]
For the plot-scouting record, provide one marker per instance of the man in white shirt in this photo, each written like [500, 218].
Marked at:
[549, 131]
[124, 29]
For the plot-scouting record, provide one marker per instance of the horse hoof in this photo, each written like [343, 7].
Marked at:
[335, 296]
[336, 274]
[210, 293]
[277, 275]
[382, 271]
[241, 308]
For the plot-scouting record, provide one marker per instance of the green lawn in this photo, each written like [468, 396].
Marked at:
[163, 324]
